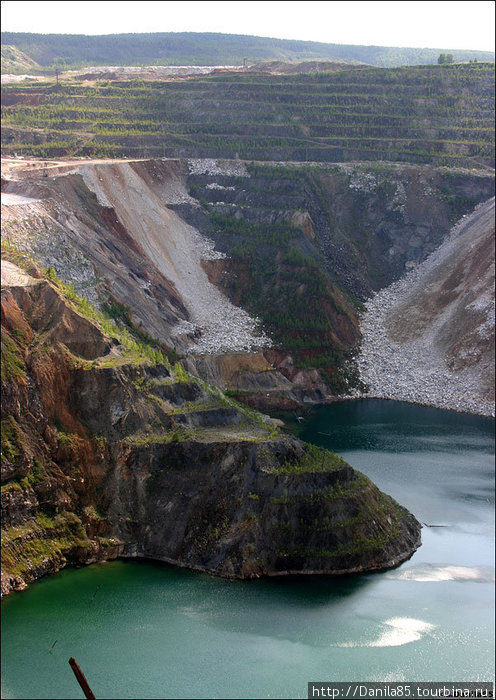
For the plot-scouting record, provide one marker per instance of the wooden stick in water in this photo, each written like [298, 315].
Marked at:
[81, 679]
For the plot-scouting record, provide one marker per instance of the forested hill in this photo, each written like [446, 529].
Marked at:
[191, 48]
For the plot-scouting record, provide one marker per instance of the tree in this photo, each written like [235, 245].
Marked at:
[445, 58]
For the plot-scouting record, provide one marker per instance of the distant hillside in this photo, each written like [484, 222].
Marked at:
[15, 60]
[210, 49]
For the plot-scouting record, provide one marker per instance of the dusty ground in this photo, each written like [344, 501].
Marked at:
[21, 167]
[13, 276]
[95, 73]
[177, 250]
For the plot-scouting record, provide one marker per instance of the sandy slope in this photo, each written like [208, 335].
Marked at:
[177, 250]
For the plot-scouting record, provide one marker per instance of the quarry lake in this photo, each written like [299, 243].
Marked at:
[144, 630]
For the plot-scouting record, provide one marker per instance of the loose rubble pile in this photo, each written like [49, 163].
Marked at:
[411, 372]
[218, 325]
[177, 249]
[211, 166]
[416, 370]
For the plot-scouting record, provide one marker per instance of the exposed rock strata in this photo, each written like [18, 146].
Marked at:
[105, 454]
[111, 228]
[132, 232]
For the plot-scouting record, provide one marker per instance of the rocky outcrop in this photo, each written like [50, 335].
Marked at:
[108, 451]
[44, 545]
[247, 509]
[264, 380]
[110, 229]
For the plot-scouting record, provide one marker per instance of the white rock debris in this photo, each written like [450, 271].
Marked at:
[7, 78]
[11, 199]
[211, 166]
[416, 371]
[30, 225]
[216, 186]
[177, 250]
[206, 247]
[157, 71]
[407, 372]
[366, 182]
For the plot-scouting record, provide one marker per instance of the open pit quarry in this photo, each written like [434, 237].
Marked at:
[111, 449]
[152, 259]
[137, 232]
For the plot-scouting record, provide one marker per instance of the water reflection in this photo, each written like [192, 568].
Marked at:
[149, 630]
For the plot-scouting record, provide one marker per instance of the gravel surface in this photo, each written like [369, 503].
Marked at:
[14, 276]
[415, 370]
[211, 166]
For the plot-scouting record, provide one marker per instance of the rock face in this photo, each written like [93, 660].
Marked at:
[226, 260]
[116, 234]
[109, 450]
[429, 338]
[106, 453]
[245, 509]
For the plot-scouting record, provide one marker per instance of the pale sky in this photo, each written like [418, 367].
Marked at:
[419, 23]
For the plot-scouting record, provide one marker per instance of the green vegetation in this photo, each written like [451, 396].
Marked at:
[11, 486]
[361, 544]
[339, 490]
[209, 404]
[195, 48]
[445, 58]
[316, 459]
[13, 364]
[437, 114]
[178, 434]
[37, 473]
[14, 61]
[180, 373]
[363, 536]
[285, 288]
[137, 349]
[12, 439]
[379, 506]
[43, 542]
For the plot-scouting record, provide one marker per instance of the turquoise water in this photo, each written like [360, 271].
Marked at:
[144, 630]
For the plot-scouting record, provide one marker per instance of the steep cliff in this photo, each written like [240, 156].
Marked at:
[253, 271]
[108, 450]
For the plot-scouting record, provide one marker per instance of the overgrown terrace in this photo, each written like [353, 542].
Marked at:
[439, 115]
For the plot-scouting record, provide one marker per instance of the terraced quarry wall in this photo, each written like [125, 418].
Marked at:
[306, 244]
[441, 115]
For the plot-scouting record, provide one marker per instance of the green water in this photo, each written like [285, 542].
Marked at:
[142, 630]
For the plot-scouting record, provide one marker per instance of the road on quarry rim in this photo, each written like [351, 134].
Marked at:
[11, 163]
